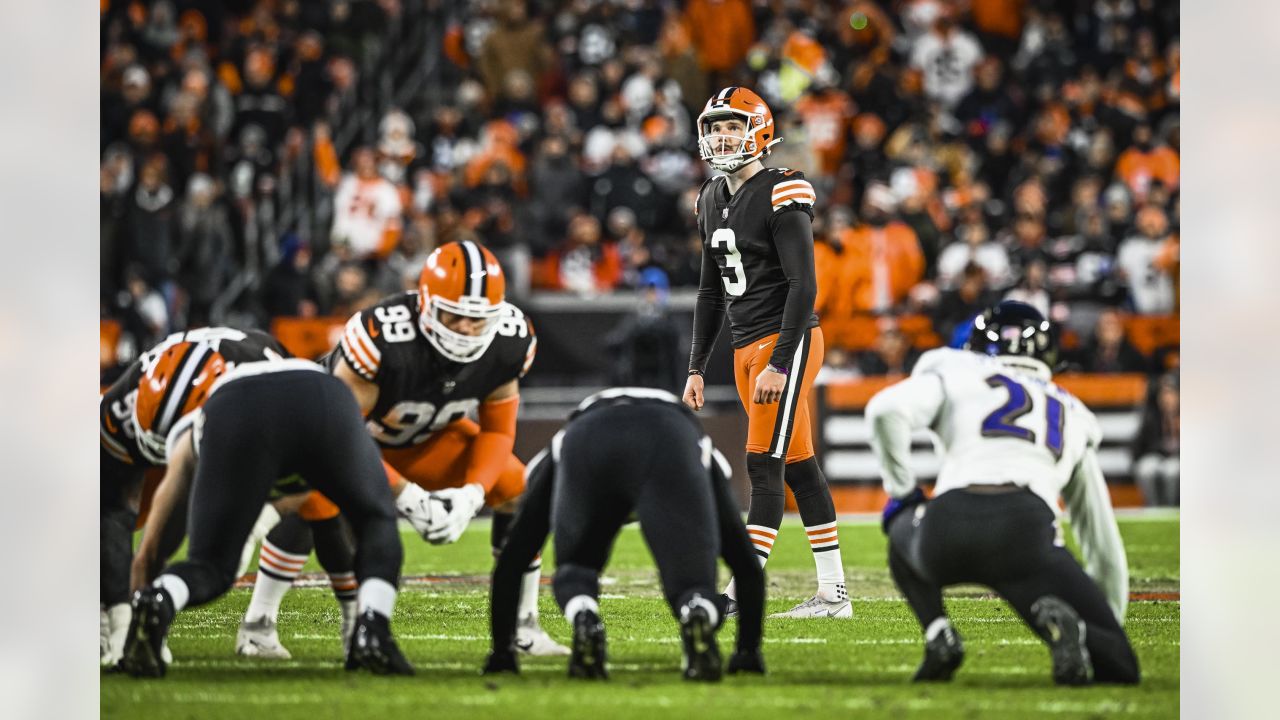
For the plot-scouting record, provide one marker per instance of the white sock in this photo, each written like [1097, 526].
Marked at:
[118, 617]
[936, 627]
[529, 589]
[277, 570]
[178, 591]
[824, 541]
[731, 590]
[377, 595]
[699, 601]
[578, 604]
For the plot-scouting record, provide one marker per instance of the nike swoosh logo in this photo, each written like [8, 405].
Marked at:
[525, 645]
[765, 344]
[373, 332]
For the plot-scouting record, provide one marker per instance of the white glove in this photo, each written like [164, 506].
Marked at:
[423, 511]
[463, 504]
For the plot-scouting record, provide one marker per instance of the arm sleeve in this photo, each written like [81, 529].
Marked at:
[793, 238]
[1094, 524]
[739, 555]
[492, 448]
[708, 312]
[527, 535]
[893, 414]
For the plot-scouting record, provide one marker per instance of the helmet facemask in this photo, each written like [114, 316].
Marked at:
[714, 147]
[456, 346]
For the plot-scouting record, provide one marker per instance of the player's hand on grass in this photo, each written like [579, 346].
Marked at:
[769, 386]
[463, 503]
[501, 662]
[693, 392]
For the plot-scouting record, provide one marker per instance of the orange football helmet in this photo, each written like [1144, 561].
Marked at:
[175, 381]
[461, 278]
[754, 144]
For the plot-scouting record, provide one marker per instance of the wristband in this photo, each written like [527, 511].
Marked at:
[780, 370]
[695, 372]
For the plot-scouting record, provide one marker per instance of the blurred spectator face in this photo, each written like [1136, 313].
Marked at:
[868, 131]
[350, 281]
[1085, 192]
[1101, 150]
[196, 83]
[972, 282]
[584, 230]
[136, 85]
[514, 12]
[1157, 194]
[1028, 230]
[200, 191]
[621, 222]
[1110, 329]
[973, 234]
[258, 68]
[988, 74]
[364, 163]
[144, 129]
[183, 109]
[891, 346]
[342, 71]
[877, 204]
[582, 91]
[518, 86]
[1094, 225]
[1167, 397]
[1036, 273]
[152, 175]
[1152, 222]
[1142, 137]
[554, 147]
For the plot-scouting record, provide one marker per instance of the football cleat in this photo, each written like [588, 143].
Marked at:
[1061, 627]
[531, 639]
[373, 648]
[817, 607]
[144, 646]
[501, 662]
[590, 651]
[701, 655]
[747, 661]
[730, 606]
[259, 639]
[942, 657]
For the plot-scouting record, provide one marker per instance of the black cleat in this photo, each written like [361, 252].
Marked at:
[729, 605]
[1061, 627]
[143, 648]
[746, 661]
[587, 660]
[374, 649]
[701, 656]
[501, 662]
[942, 657]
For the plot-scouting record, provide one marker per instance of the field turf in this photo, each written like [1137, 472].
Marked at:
[817, 668]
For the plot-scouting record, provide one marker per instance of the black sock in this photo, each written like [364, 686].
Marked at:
[768, 501]
[499, 529]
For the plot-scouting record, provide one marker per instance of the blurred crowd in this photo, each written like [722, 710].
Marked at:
[963, 151]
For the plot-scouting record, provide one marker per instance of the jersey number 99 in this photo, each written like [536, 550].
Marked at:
[411, 422]
[725, 244]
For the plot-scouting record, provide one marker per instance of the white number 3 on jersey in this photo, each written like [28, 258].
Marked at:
[724, 242]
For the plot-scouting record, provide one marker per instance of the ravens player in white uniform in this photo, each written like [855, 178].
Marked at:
[419, 364]
[1013, 442]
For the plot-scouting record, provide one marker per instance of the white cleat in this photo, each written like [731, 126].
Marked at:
[259, 639]
[818, 607]
[531, 639]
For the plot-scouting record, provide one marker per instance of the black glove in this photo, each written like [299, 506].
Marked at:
[897, 505]
[501, 662]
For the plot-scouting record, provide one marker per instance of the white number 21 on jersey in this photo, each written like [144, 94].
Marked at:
[724, 242]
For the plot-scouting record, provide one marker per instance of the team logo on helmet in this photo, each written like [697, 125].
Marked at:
[462, 280]
[730, 152]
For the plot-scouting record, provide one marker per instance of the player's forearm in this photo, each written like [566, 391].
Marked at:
[793, 235]
[490, 452]
[891, 441]
[708, 316]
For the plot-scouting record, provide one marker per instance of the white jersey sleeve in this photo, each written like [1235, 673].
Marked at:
[893, 414]
[1094, 524]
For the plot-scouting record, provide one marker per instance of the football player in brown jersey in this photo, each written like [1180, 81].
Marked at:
[757, 266]
[418, 364]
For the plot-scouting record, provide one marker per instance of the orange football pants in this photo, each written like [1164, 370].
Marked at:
[440, 462]
[782, 429]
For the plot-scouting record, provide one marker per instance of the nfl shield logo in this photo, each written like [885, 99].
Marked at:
[448, 386]
[724, 213]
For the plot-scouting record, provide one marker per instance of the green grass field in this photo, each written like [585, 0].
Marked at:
[815, 666]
